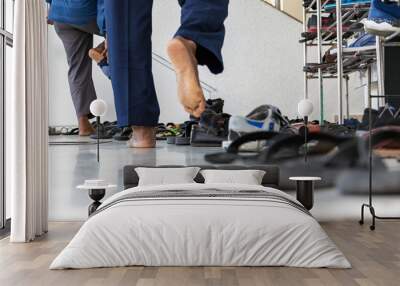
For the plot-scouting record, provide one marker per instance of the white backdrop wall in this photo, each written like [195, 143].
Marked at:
[263, 61]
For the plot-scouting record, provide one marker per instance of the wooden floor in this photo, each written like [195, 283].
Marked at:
[375, 257]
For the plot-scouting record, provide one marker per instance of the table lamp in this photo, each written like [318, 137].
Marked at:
[305, 108]
[98, 108]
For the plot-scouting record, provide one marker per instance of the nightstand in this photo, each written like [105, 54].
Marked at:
[96, 190]
[305, 190]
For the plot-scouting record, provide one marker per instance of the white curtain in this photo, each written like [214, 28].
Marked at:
[27, 123]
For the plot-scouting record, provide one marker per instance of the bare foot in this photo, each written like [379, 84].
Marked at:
[85, 127]
[142, 137]
[182, 54]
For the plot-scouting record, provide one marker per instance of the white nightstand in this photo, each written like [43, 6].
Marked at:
[97, 191]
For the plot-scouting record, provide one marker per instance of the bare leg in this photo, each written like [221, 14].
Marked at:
[182, 53]
[142, 137]
[85, 127]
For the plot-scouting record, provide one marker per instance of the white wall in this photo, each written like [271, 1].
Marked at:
[61, 111]
[263, 61]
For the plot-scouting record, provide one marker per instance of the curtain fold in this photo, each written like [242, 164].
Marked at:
[27, 123]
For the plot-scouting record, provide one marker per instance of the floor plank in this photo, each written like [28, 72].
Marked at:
[375, 257]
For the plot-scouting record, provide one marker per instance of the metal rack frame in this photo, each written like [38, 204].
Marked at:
[328, 38]
[380, 44]
[342, 73]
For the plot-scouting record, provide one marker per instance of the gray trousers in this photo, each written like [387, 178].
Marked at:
[77, 41]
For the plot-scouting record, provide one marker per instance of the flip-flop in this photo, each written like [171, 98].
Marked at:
[124, 135]
[233, 151]
[281, 147]
[184, 138]
[291, 147]
[74, 131]
[164, 134]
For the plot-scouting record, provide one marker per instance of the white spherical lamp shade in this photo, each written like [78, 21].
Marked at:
[98, 107]
[305, 107]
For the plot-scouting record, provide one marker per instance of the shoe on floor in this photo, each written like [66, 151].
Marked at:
[364, 126]
[215, 123]
[201, 138]
[124, 135]
[184, 138]
[263, 118]
[383, 18]
[174, 130]
[386, 117]
[216, 105]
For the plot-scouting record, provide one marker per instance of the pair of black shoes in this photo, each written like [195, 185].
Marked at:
[384, 116]
[213, 125]
[183, 138]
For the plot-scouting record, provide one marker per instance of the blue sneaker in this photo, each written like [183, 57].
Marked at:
[347, 4]
[365, 40]
[383, 19]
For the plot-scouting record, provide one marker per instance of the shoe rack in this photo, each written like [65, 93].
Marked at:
[349, 60]
[329, 41]
[383, 97]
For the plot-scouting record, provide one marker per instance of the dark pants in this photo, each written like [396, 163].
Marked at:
[77, 41]
[129, 29]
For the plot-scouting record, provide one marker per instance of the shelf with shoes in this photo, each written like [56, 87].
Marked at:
[333, 24]
[351, 17]
[353, 61]
[387, 35]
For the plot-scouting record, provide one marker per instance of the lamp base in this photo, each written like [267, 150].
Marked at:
[96, 195]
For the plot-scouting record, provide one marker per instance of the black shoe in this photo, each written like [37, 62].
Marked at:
[365, 120]
[215, 123]
[124, 135]
[201, 138]
[386, 118]
[184, 139]
[171, 140]
[216, 105]
[337, 130]
[104, 133]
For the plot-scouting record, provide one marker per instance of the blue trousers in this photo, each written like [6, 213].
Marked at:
[129, 29]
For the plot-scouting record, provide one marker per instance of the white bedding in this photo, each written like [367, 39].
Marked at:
[200, 232]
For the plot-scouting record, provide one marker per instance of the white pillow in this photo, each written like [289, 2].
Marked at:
[166, 176]
[246, 177]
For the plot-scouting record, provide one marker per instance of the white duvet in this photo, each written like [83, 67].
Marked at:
[200, 232]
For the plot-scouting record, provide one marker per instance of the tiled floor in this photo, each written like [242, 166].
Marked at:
[70, 165]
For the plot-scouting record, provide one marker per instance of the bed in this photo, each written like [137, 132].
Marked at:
[198, 224]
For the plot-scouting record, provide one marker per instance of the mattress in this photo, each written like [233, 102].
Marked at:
[201, 225]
